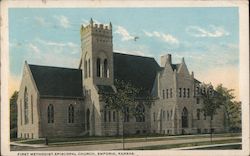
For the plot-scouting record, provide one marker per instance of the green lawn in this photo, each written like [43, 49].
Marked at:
[158, 147]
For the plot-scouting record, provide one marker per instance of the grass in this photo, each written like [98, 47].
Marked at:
[117, 139]
[227, 147]
[158, 147]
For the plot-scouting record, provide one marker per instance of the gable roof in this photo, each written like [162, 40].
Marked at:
[57, 81]
[140, 71]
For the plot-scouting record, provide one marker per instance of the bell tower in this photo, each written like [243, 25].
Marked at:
[97, 53]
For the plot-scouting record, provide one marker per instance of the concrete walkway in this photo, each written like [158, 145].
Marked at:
[28, 145]
[205, 146]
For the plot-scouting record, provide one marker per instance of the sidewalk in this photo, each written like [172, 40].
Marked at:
[205, 146]
[28, 145]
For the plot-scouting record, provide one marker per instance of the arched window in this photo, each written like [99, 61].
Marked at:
[105, 114]
[179, 92]
[140, 113]
[71, 114]
[26, 110]
[197, 91]
[198, 114]
[184, 92]
[114, 116]
[89, 68]
[184, 117]
[21, 110]
[32, 118]
[106, 68]
[163, 115]
[171, 93]
[188, 92]
[50, 113]
[167, 93]
[126, 114]
[171, 114]
[167, 115]
[109, 114]
[98, 67]
[88, 119]
[85, 69]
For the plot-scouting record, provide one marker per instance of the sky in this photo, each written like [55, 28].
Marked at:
[208, 38]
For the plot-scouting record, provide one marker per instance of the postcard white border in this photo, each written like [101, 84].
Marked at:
[243, 6]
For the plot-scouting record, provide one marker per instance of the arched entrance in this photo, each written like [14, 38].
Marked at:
[184, 118]
[88, 119]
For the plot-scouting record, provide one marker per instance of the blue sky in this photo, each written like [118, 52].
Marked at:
[207, 38]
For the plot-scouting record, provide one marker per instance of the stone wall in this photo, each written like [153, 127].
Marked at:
[31, 128]
[61, 126]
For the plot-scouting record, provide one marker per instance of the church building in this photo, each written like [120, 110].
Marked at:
[67, 102]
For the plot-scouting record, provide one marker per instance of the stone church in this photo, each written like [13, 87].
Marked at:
[66, 102]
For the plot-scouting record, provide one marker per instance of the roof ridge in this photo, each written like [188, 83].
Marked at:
[53, 67]
[134, 55]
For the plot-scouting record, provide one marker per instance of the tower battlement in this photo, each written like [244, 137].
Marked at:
[103, 29]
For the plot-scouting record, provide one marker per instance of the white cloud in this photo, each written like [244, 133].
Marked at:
[170, 39]
[63, 21]
[58, 44]
[212, 31]
[124, 33]
[41, 21]
[34, 48]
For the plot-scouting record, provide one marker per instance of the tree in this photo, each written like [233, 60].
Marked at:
[13, 115]
[231, 107]
[122, 100]
[210, 103]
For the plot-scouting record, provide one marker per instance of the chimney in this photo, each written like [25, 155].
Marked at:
[166, 59]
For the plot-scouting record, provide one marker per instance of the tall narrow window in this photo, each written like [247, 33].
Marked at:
[98, 67]
[205, 116]
[198, 114]
[184, 92]
[109, 116]
[21, 110]
[171, 114]
[26, 110]
[167, 93]
[50, 113]
[167, 115]
[85, 69]
[163, 115]
[114, 116]
[154, 116]
[184, 118]
[106, 68]
[212, 117]
[188, 92]
[126, 114]
[105, 115]
[179, 92]
[32, 118]
[140, 113]
[71, 114]
[197, 91]
[171, 93]
[89, 68]
[198, 101]
[163, 94]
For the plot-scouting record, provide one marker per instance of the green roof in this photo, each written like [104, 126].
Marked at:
[56, 81]
[140, 71]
